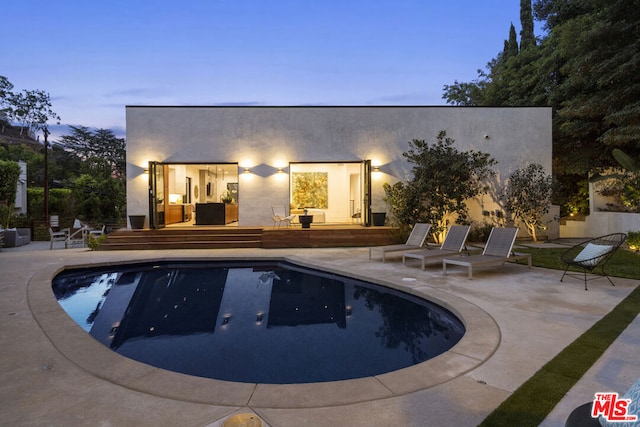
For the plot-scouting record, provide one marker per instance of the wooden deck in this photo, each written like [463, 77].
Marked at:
[207, 237]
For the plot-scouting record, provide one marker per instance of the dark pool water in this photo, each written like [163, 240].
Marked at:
[257, 322]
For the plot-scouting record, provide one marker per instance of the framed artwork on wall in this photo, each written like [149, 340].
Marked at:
[310, 190]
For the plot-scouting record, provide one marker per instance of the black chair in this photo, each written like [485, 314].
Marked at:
[581, 417]
[590, 257]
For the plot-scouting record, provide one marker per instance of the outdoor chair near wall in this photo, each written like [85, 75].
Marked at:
[57, 236]
[280, 217]
[497, 251]
[415, 241]
[452, 245]
[97, 233]
[590, 257]
[77, 237]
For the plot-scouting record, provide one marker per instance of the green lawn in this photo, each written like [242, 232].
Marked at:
[623, 263]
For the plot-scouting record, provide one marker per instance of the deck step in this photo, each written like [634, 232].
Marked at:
[183, 238]
[250, 237]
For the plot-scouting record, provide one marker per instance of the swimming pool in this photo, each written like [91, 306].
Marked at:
[263, 322]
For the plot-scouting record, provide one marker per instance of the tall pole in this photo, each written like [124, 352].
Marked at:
[45, 131]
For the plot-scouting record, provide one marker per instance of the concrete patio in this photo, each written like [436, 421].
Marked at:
[53, 373]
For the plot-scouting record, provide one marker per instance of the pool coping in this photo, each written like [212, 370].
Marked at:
[480, 341]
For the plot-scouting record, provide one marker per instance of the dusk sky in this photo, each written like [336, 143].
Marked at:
[96, 57]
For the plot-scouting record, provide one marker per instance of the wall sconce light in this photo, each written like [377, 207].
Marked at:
[376, 168]
[146, 170]
[280, 170]
[259, 318]
[348, 311]
[247, 170]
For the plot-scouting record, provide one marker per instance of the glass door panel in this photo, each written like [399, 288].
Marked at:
[156, 194]
[366, 193]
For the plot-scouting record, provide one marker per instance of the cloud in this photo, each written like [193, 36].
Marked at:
[238, 104]
[412, 98]
[136, 93]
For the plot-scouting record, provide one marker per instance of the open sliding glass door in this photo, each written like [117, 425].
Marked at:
[156, 194]
[366, 193]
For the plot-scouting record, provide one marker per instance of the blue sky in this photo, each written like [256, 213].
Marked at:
[95, 57]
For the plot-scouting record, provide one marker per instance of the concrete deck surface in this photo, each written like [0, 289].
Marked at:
[54, 374]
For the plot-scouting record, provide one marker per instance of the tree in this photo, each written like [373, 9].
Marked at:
[9, 175]
[528, 197]
[404, 204]
[527, 38]
[629, 182]
[585, 68]
[101, 151]
[463, 94]
[5, 97]
[99, 192]
[33, 109]
[443, 179]
[511, 49]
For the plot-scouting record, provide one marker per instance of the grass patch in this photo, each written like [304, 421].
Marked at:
[623, 263]
[530, 404]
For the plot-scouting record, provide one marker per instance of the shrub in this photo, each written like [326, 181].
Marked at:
[633, 240]
[480, 233]
[95, 241]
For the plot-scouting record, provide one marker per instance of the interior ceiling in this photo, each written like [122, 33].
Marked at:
[228, 169]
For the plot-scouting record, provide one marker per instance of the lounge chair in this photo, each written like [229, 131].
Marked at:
[452, 245]
[591, 256]
[497, 251]
[279, 217]
[415, 241]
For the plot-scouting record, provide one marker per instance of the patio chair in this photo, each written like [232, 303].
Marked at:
[57, 236]
[591, 256]
[497, 251]
[97, 233]
[280, 217]
[77, 238]
[452, 245]
[415, 241]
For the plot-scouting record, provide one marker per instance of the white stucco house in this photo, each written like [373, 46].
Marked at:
[332, 161]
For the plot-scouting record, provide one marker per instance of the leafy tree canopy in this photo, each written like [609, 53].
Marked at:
[528, 197]
[101, 151]
[585, 67]
[443, 179]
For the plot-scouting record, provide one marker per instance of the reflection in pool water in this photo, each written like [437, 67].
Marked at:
[258, 322]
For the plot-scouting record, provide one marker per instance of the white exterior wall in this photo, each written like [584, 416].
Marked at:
[20, 206]
[600, 222]
[267, 138]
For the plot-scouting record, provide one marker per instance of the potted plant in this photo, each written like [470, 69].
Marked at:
[226, 197]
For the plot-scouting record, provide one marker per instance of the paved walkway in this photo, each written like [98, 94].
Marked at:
[52, 373]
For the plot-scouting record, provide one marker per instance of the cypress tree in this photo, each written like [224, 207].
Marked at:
[526, 19]
[511, 47]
